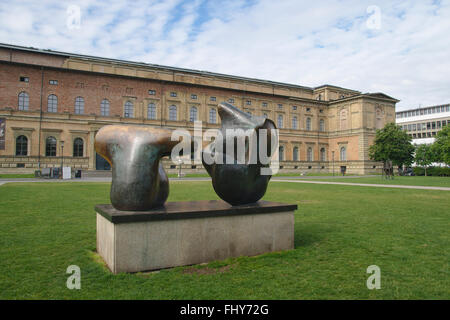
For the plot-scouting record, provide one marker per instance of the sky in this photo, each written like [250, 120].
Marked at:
[400, 48]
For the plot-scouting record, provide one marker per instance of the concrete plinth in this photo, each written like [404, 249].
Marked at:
[186, 233]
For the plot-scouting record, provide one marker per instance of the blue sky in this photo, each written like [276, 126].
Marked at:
[400, 48]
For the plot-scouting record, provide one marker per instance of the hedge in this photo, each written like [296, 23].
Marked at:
[432, 171]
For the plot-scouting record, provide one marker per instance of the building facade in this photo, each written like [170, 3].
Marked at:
[53, 103]
[422, 124]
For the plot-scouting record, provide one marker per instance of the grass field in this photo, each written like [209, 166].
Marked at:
[16, 175]
[339, 232]
[407, 181]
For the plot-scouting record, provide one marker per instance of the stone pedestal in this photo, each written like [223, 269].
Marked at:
[193, 232]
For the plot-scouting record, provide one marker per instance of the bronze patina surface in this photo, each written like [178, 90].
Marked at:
[239, 183]
[139, 181]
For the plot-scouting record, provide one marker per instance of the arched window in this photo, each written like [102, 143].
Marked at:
[295, 154]
[309, 154]
[322, 125]
[212, 115]
[281, 153]
[21, 146]
[52, 103]
[24, 101]
[104, 108]
[343, 154]
[78, 147]
[265, 115]
[151, 111]
[79, 105]
[128, 110]
[294, 123]
[193, 114]
[323, 156]
[50, 147]
[280, 121]
[173, 113]
[308, 124]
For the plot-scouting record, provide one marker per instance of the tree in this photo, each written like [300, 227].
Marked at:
[392, 143]
[424, 155]
[441, 146]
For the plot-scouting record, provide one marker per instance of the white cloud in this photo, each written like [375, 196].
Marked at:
[302, 42]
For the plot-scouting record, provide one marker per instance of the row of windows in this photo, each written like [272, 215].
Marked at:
[420, 135]
[421, 112]
[172, 94]
[280, 123]
[310, 154]
[425, 125]
[78, 146]
[52, 105]
[50, 146]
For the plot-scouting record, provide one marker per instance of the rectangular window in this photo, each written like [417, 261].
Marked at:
[295, 108]
[280, 106]
[433, 125]
[414, 127]
[231, 100]
[438, 124]
[151, 92]
[308, 109]
[173, 94]
[428, 125]
[24, 79]
[409, 127]
[212, 98]
[53, 82]
[193, 96]
[248, 102]
[264, 104]
[80, 85]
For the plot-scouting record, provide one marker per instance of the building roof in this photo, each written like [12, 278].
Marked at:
[151, 65]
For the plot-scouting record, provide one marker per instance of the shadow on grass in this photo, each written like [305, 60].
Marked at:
[307, 236]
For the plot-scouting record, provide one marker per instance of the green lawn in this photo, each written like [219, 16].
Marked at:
[339, 232]
[410, 181]
[16, 175]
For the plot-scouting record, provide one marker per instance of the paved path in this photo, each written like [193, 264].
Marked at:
[365, 184]
[275, 179]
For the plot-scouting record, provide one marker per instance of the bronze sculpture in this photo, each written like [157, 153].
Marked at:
[234, 182]
[139, 181]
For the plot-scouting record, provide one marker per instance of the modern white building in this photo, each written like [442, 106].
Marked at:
[422, 124]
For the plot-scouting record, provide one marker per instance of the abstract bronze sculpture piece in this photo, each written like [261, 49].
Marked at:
[139, 181]
[239, 183]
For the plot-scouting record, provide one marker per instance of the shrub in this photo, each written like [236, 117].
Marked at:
[432, 171]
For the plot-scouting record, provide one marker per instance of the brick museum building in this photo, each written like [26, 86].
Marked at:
[53, 103]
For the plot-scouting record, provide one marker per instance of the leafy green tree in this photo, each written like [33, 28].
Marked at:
[424, 155]
[441, 146]
[392, 143]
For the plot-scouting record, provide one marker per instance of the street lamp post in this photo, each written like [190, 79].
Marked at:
[62, 157]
